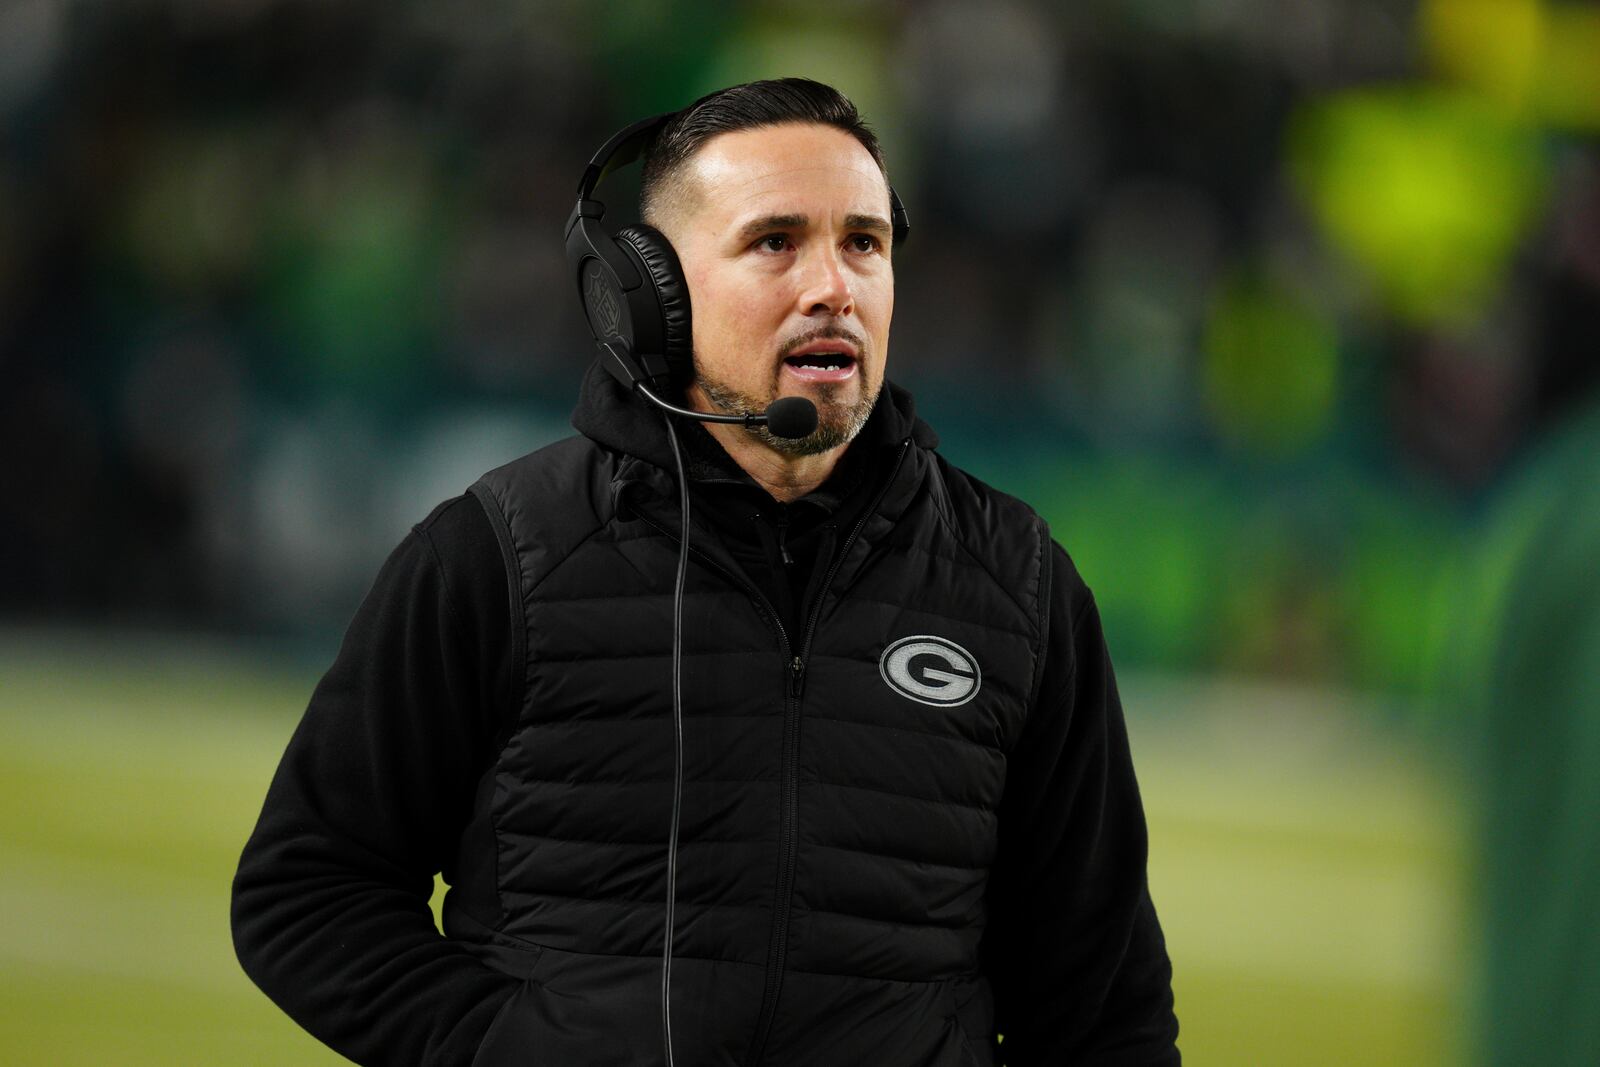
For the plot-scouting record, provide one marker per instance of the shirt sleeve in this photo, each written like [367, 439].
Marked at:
[1074, 950]
[330, 902]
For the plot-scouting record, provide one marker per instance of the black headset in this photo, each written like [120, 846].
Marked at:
[631, 284]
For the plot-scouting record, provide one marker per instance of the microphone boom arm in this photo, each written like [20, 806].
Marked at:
[790, 417]
[749, 421]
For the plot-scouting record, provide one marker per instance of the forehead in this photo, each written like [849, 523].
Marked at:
[796, 167]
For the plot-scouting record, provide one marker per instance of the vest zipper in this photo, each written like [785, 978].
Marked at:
[777, 941]
[779, 947]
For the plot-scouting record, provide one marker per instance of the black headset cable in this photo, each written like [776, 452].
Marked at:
[677, 730]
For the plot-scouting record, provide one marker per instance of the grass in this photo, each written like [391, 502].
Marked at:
[1308, 874]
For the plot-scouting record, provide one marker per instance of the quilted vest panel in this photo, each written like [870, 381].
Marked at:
[894, 798]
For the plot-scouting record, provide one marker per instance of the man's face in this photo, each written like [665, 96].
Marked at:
[784, 233]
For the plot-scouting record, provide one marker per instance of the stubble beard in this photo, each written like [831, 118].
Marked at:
[838, 421]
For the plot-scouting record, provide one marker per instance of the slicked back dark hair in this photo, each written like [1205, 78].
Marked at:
[746, 107]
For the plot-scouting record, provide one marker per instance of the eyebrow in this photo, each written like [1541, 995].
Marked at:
[767, 223]
[873, 223]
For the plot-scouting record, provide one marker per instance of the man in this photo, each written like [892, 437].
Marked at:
[909, 816]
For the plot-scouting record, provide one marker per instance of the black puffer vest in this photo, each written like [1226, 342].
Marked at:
[839, 805]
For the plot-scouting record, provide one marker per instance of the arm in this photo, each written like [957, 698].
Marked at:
[1074, 950]
[330, 903]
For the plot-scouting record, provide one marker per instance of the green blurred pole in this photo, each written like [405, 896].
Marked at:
[1541, 826]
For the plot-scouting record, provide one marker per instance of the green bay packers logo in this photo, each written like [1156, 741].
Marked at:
[931, 670]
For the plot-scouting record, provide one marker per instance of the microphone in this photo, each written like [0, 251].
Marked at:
[789, 416]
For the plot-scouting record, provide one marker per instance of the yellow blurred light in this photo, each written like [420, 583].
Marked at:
[1492, 45]
[1533, 59]
[1569, 82]
[1427, 191]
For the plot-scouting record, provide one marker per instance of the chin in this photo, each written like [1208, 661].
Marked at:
[842, 410]
[839, 420]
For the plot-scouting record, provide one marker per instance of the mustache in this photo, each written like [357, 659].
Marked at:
[831, 332]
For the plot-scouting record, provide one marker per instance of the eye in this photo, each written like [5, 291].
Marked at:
[773, 242]
[865, 243]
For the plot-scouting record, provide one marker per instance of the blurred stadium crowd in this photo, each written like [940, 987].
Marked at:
[1261, 302]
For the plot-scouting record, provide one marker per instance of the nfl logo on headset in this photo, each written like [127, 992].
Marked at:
[602, 302]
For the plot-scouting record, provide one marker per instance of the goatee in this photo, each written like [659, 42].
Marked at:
[838, 421]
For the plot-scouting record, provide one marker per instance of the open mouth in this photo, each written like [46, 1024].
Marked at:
[821, 366]
[823, 361]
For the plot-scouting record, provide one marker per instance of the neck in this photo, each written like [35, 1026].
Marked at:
[784, 477]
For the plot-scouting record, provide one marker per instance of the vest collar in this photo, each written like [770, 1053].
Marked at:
[645, 483]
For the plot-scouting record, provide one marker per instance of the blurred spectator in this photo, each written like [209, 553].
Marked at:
[1540, 849]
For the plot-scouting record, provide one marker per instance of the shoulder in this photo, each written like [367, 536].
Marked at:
[458, 541]
[546, 503]
[1010, 533]
[979, 508]
[1001, 532]
[570, 479]
[568, 470]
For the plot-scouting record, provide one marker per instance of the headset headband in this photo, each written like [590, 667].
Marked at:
[625, 146]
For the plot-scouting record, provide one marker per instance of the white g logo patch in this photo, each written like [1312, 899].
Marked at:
[930, 670]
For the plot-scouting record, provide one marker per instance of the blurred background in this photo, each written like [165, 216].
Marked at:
[1286, 314]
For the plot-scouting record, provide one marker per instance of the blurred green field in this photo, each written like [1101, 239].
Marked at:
[1308, 871]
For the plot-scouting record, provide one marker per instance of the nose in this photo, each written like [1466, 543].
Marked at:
[826, 290]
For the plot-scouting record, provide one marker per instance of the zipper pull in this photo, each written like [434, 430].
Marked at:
[797, 672]
[783, 541]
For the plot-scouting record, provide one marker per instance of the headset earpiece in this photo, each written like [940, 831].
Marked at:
[662, 320]
[635, 301]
